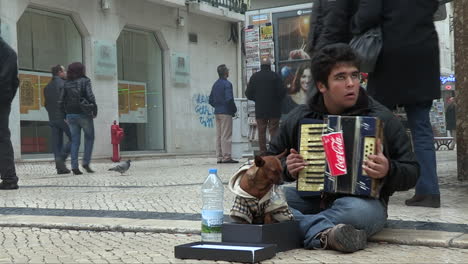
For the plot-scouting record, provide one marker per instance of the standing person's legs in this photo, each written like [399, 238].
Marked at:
[57, 141]
[427, 188]
[88, 128]
[219, 152]
[262, 127]
[66, 148]
[75, 129]
[273, 125]
[7, 162]
[226, 137]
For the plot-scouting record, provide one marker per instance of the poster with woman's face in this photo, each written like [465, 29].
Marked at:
[294, 62]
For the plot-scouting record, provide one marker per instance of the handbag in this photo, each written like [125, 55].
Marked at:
[88, 108]
[368, 46]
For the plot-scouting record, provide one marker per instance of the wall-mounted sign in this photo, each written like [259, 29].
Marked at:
[132, 102]
[31, 94]
[259, 19]
[105, 58]
[181, 68]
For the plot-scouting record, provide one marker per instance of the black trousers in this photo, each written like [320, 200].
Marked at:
[7, 162]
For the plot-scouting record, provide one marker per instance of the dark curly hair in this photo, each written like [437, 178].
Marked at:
[330, 56]
[75, 70]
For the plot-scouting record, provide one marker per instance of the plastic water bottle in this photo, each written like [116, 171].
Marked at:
[212, 210]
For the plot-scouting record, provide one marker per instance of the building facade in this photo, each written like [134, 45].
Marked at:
[151, 63]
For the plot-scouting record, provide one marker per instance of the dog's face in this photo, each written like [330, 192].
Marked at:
[267, 170]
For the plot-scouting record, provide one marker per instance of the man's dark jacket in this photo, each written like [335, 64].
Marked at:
[73, 91]
[403, 166]
[52, 93]
[8, 73]
[330, 23]
[267, 90]
[408, 68]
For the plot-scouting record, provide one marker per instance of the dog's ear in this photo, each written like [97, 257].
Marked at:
[279, 156]
[251, 172]
[259, 162]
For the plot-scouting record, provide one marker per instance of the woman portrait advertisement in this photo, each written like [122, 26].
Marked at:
[299, 83]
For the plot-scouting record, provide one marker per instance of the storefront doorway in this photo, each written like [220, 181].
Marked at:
[140, 88]
[45, 39]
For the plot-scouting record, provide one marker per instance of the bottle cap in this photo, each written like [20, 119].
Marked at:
[213, 171]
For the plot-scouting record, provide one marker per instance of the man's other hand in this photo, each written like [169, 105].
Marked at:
[376, 166]
[295, 163]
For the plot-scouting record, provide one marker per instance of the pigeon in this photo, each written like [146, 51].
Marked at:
[122, 167]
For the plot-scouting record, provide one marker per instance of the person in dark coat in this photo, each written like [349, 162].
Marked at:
[76, 89]
[8, 87]
[335, 221]
[330, 23]
[57, 119]
[266, 89]
[407, 73]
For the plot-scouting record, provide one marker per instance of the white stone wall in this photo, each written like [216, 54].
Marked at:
[184, 131]
[446, 42]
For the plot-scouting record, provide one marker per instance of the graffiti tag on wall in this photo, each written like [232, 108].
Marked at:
[204, 110]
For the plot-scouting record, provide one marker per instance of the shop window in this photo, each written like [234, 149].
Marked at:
[45, 39]
[140, 90]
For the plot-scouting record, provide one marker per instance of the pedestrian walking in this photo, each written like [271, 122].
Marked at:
[407, 73]
[8, 87]
[266, 89]
[222, 99]
[57, 123]
[77, 101]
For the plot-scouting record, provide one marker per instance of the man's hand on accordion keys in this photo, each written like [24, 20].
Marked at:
[377, 166]
[295, 163]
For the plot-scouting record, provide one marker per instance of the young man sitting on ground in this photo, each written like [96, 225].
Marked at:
[338, 221]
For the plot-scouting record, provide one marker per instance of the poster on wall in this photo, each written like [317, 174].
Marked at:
[31, 95]
[132, 102]
[437, 116]
[181, 68]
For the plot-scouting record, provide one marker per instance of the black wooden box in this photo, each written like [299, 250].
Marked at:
[285, 235]
[238, 252]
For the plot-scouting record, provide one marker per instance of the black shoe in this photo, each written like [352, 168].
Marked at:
[230, 161]
[8, 185]
[219, 161]
[63, 171]
[88, 169]
[76, 172]
[424, 201]
[343, 238]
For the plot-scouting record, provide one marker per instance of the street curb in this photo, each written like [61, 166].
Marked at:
[410, 237]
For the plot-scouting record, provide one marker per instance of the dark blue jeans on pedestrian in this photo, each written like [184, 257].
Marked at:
[7, 160]
[76, 122]
[423, 141]
[61, 151]
[366, 214]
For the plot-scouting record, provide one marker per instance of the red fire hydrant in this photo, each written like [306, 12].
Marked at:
[117, 134]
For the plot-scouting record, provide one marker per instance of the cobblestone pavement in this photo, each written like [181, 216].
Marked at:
[169, 188]
[26, 245]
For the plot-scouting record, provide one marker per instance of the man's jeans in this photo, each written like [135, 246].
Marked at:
[7, 162]
[423, 139]
[365, 214]
[61, 151]
[77, 122]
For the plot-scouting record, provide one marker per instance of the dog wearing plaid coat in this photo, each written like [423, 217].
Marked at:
[253, 185]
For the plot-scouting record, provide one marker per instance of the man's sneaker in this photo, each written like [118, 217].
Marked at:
[424, 201]
[230, 161]
[8, 185]
[344, 238]
[88, 169]
[63, 171]
[76, 172]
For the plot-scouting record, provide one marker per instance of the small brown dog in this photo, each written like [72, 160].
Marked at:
[253, 185]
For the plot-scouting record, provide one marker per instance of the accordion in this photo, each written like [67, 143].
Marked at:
[360, 134]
